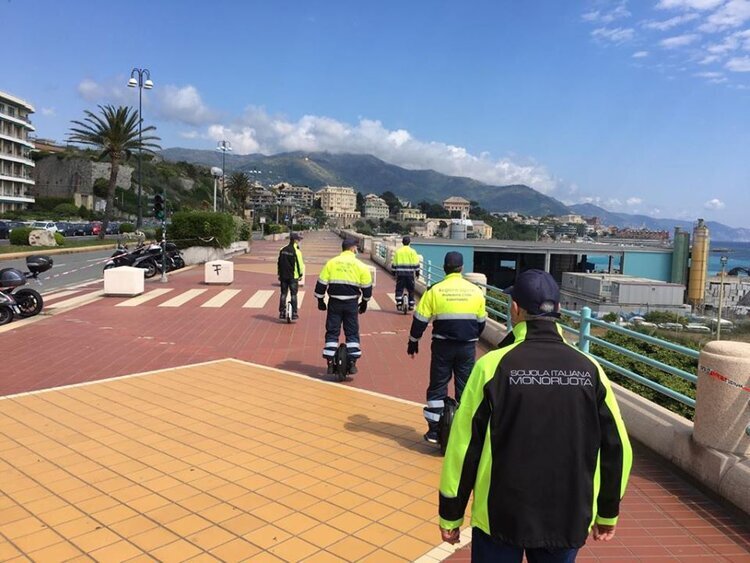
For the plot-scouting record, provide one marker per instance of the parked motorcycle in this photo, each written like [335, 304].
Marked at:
[147, 257]
[24, 302]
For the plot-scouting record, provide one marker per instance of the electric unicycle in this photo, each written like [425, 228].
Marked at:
[405, 302]
[341, 362]
[289, 312]
[446, 421]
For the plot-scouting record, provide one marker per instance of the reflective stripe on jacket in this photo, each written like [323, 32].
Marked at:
[344, 277]
[456, 308]
[539, 438]
[405, 262]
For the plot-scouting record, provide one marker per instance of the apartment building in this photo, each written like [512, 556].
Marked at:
[16, 182]
[375, 207]
[302, 196]
[409, 214]
[459, 205]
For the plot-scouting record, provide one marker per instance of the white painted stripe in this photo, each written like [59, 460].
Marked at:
[59, 294]
[183, 298]
[153, 294]
[392, 297]
[373, 305]
[259, 299]
[76, 300]
[221, 298]
[300, 297]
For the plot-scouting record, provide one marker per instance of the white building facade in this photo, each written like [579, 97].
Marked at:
[16, 180]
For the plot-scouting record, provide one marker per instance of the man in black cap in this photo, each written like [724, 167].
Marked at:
[290, 269]
[405, 265]
[345, 279]
[539, 438]
[456, 308]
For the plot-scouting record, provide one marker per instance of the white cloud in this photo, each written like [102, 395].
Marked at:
[708, 74]
[608, 16]
[714, 204]
[193, 134]
[709, 59]
[679, 40]
[671, 22]
[732, 14]
[738, 64]
[183, 104]
[688, 4]
[113, 92]
[258, 132]
[633, 201]
[48, 111]
[640, 54]
[615, 35]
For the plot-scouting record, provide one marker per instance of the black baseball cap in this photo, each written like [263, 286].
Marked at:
[295, 236]
[348, 243]
[453, 260]
[536, 292]
[406, 240]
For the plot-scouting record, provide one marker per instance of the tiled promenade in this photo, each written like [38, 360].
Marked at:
[228, 460]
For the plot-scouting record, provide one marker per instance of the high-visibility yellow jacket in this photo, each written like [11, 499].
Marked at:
[539, 438]
[456, 308]
[405, 262]
[344, 277]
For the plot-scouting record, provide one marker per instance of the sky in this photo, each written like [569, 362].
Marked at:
[635, 106]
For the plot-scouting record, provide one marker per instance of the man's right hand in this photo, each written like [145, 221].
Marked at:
[412, 348]
[321, 305]
[603, 532]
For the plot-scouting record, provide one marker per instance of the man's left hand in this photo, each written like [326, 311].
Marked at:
[412, 348]
[451, 536]
[362, 307]
[603, 532]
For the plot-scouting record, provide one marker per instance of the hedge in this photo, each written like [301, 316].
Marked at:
[20, 236]
[201, 228]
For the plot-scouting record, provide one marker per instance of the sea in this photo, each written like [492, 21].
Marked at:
[737, 253]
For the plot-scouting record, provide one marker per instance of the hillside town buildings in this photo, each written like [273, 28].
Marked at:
[375, 208]
[16, 181]
[339, 204]
[458, 205]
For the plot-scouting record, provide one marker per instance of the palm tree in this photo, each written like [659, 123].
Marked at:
[115, 134]
[239, 188]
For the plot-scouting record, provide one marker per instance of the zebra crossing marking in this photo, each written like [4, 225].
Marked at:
[300, 297]
[76, 300]
[259, 299]
[392, 297]
[222, 298]
[373, 305]
[59, 294]
[153, 294]
[183, 298]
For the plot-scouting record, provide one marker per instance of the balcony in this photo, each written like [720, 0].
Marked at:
[19, 120]
[16, 199]
[8, 176]
[17, 158]
[13, 139]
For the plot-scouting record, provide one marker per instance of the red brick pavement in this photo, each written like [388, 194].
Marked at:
[665, 518]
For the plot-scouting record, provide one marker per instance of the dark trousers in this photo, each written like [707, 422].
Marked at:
[486, 549]
[449, 358]
[290, 286]
[407, 283]
[342, 312]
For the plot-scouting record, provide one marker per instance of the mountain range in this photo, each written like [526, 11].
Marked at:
[367, 174]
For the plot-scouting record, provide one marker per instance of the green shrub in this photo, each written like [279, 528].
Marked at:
[83, 212]
[49, 203]
[127, 228]
[201, 228]
[241, 228]
[65, 210]
[610, 317]
[59, 239]
[20, 236]
[274, 229]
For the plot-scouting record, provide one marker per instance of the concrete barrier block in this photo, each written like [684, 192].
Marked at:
[124, 281]
[218, 272]
[374, 274]
[735, 485]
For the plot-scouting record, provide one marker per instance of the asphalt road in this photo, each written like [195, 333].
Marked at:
[83, 267]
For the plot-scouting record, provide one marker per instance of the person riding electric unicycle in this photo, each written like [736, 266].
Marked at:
[405, 266]
[456, 308]
[345, 279]
[290, 269]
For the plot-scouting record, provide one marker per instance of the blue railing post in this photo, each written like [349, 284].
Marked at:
[585, 330]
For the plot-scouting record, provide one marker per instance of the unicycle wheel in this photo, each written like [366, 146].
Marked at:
[405, 302]
[446, 421]
[289, 312]
[340, 362]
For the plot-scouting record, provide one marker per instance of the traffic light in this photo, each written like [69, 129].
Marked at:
[159, 206]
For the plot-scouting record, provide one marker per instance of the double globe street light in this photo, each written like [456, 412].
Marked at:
[137, 76]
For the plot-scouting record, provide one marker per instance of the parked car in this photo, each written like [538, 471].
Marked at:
[96, 227]
[113, 228]
[4, 229]
[695, 327]
[65, 228]
[671, 326]
[46, 225]
[83, 229]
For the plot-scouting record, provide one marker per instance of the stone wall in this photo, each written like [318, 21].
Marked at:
[62, 177]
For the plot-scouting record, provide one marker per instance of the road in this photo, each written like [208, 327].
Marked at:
[83, 267]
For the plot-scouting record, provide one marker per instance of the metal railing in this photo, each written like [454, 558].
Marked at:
[498, 309]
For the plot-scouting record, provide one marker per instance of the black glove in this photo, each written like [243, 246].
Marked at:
[362, 307]
[413, 347]
[321, 304]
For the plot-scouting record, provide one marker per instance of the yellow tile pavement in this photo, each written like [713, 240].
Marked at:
[224, 460]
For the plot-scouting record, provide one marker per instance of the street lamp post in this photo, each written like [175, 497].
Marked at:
[224, 147]
[137, 80]
[723, 260]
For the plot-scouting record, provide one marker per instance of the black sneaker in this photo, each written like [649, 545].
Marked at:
[282, 315]
[352, 368]
[431, 436]
[295, 316]
[330, 367]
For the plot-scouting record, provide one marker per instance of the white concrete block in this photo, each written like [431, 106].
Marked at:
[373, 273]
[219, 272]
[124, 281]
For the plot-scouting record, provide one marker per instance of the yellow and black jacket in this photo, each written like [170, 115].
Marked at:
[456, 308]
[405, 262]
[539, 438]
[290, 265]
[344, 277]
